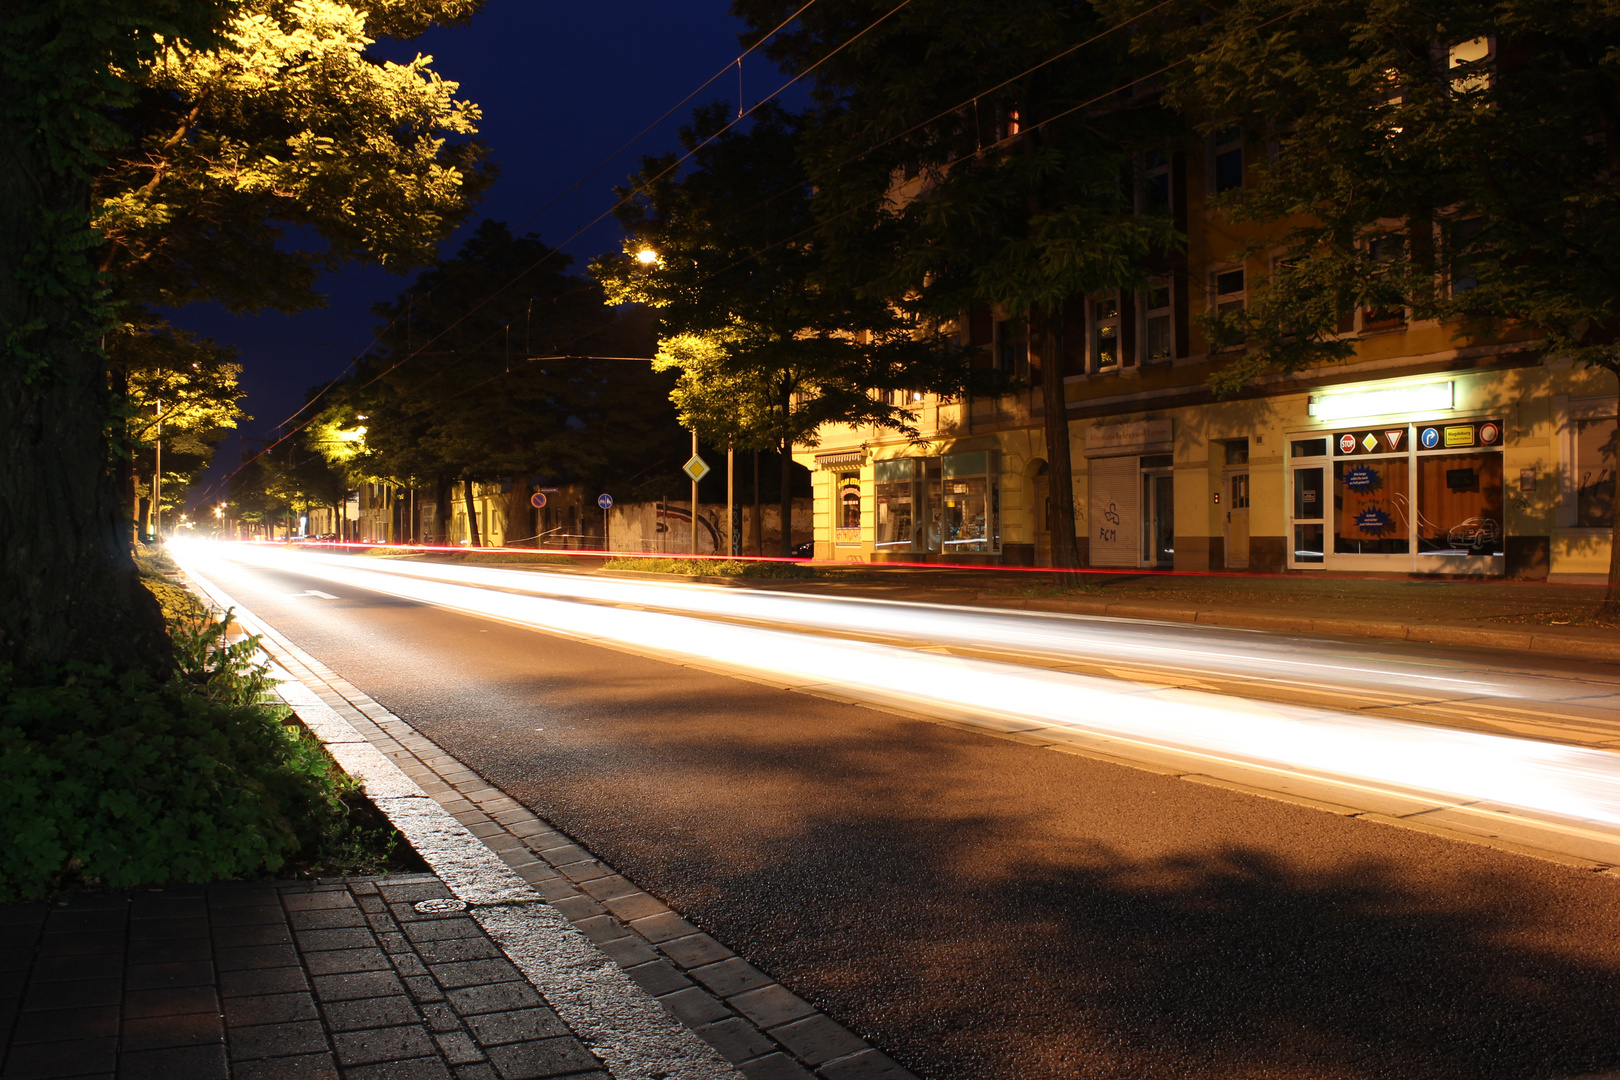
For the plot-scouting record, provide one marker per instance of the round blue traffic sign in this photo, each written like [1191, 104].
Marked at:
[604, 501]
[537, 500]
[1430, 437]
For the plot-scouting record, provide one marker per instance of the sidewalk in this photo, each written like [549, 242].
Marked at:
[376, 977]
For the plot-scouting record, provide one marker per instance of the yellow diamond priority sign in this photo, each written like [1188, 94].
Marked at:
[697, 468]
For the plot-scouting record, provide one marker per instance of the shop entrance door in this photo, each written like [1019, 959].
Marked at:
[1237, 520]
[1158, 518]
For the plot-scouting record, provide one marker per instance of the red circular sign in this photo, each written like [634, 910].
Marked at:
[1347, 444]
[537, 500]
[1489, 433]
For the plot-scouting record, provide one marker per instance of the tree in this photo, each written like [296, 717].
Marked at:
[499, 364]
[1451, 158]
[769, 344]
[177, 388]
[190, 134]
[1022, 197]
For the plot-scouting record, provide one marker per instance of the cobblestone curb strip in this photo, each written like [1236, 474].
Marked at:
[499, 857]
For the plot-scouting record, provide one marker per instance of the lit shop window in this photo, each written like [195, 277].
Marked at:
[1159, 337]
[1371, 493]
[894, 501]
[1459, 489]
[906, 505]
[846, 510]
[972, 502]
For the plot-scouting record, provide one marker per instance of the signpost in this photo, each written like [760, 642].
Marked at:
[697, 469]
[538, 500]
[605, 501]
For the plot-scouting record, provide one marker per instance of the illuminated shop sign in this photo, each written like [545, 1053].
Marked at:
[1381, 401]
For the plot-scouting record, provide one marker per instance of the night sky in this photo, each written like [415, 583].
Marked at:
[561, 86]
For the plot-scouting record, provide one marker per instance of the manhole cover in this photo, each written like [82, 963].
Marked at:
[440, 903]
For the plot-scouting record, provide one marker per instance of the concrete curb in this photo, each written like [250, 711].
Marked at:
[1575, 646]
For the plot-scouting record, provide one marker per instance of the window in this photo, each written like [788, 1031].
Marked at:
[1388, 255]
[1469, 62]
[1105, 332]
[1465, 254]
[1595, 441]
[1156, 182]
[894, 501]
[1012, 351]
[972, 502]
[1226, 160]
[849, 501]
[1227, 286]
[1158, 338]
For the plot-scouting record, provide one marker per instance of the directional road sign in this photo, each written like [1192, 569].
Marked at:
[605, 501]
[697, 468]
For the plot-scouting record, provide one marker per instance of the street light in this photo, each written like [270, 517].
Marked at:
[646, 256]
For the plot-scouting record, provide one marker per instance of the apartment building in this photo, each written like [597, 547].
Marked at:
[1425, 452]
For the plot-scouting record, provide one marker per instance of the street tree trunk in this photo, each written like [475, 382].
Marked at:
[443, 496]
[1059, 466]
[472, 513]
[68, 586]
[518, 513]
[1609, 610]
[787, 498]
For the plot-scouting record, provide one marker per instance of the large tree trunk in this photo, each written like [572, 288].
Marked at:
[787, 498]
[68, 586]
[472, 514]
[1609, 610]
[1059, 466]
[519, 517]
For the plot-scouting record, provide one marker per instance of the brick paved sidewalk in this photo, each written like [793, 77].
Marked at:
[303, 981]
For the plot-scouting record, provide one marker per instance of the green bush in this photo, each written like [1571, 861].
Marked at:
[123, 780]
[714, 568]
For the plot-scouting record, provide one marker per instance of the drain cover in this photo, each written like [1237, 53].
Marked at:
[440, 903]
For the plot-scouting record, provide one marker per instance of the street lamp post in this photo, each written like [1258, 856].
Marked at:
[157, 482]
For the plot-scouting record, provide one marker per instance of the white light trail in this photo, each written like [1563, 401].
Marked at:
[1544, 778]
[1269, 656]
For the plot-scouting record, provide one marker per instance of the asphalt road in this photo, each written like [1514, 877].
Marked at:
[982, 908]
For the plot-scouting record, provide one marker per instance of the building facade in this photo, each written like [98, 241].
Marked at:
[1424, 452]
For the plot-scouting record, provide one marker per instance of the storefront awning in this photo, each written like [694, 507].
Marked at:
[839, 460]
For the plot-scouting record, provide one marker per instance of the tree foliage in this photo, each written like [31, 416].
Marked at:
[497, 364]
[1021, 196]
[770, 343]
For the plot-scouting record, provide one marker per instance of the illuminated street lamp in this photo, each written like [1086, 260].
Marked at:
[646, 256]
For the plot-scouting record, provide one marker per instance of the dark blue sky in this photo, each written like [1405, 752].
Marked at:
[561, 85]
